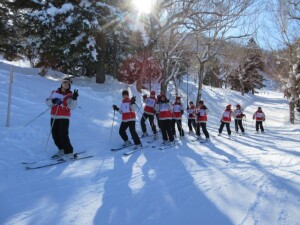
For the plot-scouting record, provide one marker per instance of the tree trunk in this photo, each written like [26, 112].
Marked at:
[100, 73]
[200, 82]
[292, 112]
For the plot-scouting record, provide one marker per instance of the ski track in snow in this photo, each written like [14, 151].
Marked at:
[251, 179]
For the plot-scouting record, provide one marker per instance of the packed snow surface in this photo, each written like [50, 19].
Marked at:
[251, 179]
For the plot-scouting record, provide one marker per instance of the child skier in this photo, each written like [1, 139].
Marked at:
[62, 101]
[127, 109]
[150, 103]
[225, 120]
[259, 115]
[164, 110]
[177, 114]
[238, 117]
[191, 110]
[202, 112]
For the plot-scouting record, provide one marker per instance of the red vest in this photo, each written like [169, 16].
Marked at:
[177, 108]
[61, 110]
[191, 112]
[226, 117]
[150, 104]
[259, 115]
[203, 115]
[238, 114]
[165, 112]
[127, 113]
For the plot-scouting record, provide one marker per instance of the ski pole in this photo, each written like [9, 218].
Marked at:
[51, 128]
[112, 126]
[37, 117]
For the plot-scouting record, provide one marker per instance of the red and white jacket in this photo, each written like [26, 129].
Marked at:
[202, 114]
[226, 117]
[259, 116]
[62, 111]
[191, 112]
[150, 105]
[127, 110]
[164, 110]
[177, 108]
[238, 114]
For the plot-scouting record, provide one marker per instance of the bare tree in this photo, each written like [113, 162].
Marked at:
[286, 24]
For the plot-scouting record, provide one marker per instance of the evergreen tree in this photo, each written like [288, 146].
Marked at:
[254, 68]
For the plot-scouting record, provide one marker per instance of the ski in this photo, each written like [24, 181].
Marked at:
[130, 152]
[149, 142]
[56, 158]
[166, 147]
[59, 161]
[149, 135]
[120, 148]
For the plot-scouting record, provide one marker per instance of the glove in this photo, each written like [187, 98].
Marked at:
[144, 96]
[75, 94]
[132, 100]
[204, 107]
[154, 111]
[116, 108]
[264, 120]
[167, 101]
[198, 114]
[56, 101]
[182, 112]
[243, 115]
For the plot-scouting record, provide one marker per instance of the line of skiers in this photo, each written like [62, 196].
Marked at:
[168, 115]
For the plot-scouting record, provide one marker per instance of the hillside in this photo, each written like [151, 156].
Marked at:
[251, 179]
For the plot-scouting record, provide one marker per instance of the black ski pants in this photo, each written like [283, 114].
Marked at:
[179, 127]
[60, 134]
[134, 135]
[192, 124]
[204, 129]
[151, 121]
[227, 127]
[259, 125]
[166, 130]
[239, 124]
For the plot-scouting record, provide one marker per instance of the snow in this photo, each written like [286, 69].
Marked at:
[252, 179]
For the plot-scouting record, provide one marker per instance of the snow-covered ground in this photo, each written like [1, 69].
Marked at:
[253, 179]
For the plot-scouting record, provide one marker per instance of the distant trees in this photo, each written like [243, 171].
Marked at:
[249, 72]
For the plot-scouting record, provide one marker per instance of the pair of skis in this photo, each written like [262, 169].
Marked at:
[52, 162]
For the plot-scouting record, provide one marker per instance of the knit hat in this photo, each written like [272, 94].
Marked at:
[177, 97]
[125, 92]
[152, 93]
[201, 102]
[228, 106]
[67, 80]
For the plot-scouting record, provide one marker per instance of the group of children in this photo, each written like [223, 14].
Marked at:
[170, 115]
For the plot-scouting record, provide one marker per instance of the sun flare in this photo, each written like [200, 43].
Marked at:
[143, 6]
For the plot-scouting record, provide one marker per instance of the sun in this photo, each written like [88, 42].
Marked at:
[143, 6]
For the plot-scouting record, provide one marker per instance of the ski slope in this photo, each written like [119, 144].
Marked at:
[251, 179]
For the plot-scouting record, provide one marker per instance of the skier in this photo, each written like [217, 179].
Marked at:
[164, 110]
[191, 110]
[62, 101]
[149, 111]
[127, 109]
[238, 117]
[202, 112]
[259, 115]
[177, 114]
[225, 120]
